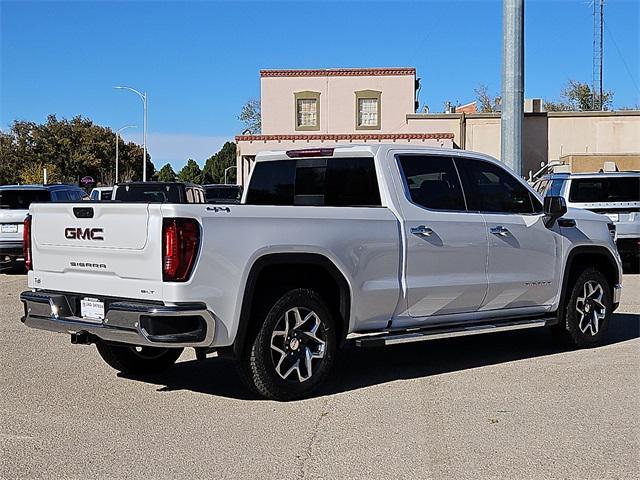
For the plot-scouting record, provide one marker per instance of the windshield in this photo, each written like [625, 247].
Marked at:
[605, 189]
[148, 193]
[21, 199]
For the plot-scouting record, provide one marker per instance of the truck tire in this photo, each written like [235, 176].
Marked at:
[293, 349]
[135, 360]
[587, 310]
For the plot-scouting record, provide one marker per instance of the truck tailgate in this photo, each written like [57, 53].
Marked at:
[107, 249]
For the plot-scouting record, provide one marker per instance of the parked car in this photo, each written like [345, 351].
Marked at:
[614, 194]
[14, 206]
[101, 194]
[223, 193]
[162, 192]
[378, 245]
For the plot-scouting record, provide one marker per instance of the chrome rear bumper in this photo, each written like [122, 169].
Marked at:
[126, 321]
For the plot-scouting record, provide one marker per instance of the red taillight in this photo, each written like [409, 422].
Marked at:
[310, 152]
[180, 242]
[26, 243]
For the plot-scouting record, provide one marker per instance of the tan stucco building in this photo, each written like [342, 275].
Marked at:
[306, 108]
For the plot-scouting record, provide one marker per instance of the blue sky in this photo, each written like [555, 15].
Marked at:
[200, 61]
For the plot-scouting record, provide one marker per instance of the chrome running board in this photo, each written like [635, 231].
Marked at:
[424, 334]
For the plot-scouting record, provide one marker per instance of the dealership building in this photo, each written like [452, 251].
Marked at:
[324, 107]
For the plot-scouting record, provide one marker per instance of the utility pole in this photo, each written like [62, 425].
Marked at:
[512, 83]
[598, 54]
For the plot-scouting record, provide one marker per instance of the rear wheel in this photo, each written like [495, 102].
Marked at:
[587, 310]
[293, 350]
[137, 360]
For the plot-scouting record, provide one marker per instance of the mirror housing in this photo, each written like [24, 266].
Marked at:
[554, 208]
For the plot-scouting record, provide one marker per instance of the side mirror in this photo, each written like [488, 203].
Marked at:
[554, 208]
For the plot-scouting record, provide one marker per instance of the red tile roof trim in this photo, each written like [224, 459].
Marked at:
[339, 72]
[346, 136]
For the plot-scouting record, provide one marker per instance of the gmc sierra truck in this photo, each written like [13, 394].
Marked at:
[371, 244]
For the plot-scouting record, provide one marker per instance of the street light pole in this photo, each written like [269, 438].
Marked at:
[512, 84]
[225, 173]
[117, 145]
[144, 97]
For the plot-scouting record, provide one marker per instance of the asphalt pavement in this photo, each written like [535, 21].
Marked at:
[512, 405]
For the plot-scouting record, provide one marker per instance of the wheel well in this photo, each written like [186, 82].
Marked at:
[593, 257]
[273, 275]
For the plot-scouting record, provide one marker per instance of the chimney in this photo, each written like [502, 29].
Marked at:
[532, 105]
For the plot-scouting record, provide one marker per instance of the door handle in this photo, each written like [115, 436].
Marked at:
[421, 231]
[500, 230]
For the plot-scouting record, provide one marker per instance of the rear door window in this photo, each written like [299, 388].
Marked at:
[21, 199]
[605, 189]
[433, 182]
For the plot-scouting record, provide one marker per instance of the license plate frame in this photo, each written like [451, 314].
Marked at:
[92, 310]
[9, 228]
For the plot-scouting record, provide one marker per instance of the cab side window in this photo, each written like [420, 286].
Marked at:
[61, 196]
[433, 182]
[489, 188]
[76, 195]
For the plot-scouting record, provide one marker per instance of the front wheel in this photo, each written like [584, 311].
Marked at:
[136, 360]
[587, 311]
[293, 350]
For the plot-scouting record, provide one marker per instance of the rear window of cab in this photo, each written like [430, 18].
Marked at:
[328, 182]
[605, 189]
[22, 199]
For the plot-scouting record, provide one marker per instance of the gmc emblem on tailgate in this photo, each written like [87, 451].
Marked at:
[73, 233]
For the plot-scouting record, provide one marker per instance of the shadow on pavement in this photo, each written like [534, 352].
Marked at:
[14, 270]
[357, 368]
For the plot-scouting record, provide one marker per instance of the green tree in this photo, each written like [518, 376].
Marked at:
[166, 174]
[73, 148]
[34, 173]
[250, 116]
[577, 96]
[9, 164]
[190, 172]
[216, 164]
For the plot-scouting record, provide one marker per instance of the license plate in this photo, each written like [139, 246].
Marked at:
[9, 228]
[92, 310]
[613, 216]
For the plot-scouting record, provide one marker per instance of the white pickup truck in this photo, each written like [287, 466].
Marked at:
[376, 244]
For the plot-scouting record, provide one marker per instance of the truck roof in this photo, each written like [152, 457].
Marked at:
[360, 150]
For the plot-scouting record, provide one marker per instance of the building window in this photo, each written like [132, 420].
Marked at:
[307, 110]
[368, 110]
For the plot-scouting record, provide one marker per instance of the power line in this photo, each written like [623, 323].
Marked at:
[624, 62]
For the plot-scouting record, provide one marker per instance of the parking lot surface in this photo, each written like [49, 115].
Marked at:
[510, 405]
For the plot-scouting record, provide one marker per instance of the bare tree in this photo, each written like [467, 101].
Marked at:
[250, 116]
[487, 102]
